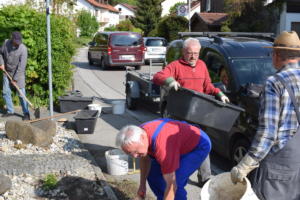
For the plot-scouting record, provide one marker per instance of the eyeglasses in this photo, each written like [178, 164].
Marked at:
[192, 53]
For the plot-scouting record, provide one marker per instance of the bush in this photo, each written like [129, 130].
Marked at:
[87, 23]
[49, 182]
[32, 25]
[169, 27]
[125, 25]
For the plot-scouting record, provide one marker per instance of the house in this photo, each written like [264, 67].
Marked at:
[205, 21]
[125, 10]
[167, 4]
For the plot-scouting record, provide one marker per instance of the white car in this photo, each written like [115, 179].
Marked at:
[156, 48]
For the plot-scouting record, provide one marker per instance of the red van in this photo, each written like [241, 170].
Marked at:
[115, 49]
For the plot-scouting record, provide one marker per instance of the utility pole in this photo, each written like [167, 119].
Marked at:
[189, 5]
[49, 56]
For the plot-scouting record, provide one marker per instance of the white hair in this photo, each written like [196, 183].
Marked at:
[190, 41]
[128, 135]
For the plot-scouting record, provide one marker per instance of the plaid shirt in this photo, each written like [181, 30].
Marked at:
[277, 118]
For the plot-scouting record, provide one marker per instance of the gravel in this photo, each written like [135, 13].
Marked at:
[28, 186]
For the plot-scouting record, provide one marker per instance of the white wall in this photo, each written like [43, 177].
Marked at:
[286, 20]
[11, 2]
[111, 18]
[167, 4]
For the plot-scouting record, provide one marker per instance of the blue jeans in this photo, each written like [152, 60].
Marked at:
[189, 163]
[8, 100]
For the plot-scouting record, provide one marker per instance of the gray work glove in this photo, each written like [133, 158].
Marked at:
[172, 83]
[245, 166]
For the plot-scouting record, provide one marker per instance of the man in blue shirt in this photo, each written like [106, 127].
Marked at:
[274, 153]
[13, 59]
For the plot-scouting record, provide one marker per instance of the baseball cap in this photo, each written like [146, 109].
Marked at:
[16, 37]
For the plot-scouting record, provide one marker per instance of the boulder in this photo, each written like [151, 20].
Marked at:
[48, 126]
[28, 134]
[5, 184]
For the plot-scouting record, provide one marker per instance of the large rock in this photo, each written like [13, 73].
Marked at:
[48, 126]
[27, 133]
[5, 184]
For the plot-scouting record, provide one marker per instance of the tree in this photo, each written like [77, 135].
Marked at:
[87, 23]
[147, 15]
[169, 27]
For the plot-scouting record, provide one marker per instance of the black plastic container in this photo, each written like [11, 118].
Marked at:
[85, 121]
[202, 109]
[71, 102]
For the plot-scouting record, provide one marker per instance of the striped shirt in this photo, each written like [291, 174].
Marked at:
[277, 118]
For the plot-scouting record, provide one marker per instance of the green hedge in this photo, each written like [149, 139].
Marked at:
[32, 25]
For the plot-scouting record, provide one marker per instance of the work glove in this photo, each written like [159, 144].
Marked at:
[223, 97]
[245, 166]
[172, 83]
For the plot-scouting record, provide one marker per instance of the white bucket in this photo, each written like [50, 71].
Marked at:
[95, 106]
[220, 187]
[117, 162]
[118, 107]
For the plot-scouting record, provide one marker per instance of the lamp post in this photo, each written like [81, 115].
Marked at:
[49, 56]
[189, 5]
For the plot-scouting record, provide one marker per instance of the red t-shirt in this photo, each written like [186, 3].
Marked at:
[175, 138]
[195, 78]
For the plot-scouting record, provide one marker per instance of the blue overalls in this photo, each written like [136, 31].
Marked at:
[189, 163]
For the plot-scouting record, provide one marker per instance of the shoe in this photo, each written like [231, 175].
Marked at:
[7, 115]
[26, 117]
[200, 182]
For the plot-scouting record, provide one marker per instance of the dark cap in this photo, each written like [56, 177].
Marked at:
[16, 37]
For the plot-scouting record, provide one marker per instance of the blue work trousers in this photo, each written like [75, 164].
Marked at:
[6, 92]
[189, 163]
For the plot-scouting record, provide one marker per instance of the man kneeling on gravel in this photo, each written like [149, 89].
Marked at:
[170, 151]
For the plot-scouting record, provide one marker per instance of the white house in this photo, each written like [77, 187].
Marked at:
[125, 10]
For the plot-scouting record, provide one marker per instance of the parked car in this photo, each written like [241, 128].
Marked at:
[247, 66]
[115, 49]
[155, 49]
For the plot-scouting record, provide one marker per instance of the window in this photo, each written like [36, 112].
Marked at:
[155, 43]
[296, 27]
[126, 40]
[120, 9]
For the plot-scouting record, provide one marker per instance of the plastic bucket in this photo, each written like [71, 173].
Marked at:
[220, 187]
[95, 106]
[118, 107]
[117, 162]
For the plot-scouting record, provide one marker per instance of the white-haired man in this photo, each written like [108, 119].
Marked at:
[190, 72]
[169, 151]
[275, 147]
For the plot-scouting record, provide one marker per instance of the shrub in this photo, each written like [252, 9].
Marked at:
[87, 23]
[32, 25]
[169, 27]
[49, 182]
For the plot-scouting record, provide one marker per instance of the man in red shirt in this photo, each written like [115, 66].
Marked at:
[190, 72]
[169, 150]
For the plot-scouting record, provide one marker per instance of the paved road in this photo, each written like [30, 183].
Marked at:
[108, 86]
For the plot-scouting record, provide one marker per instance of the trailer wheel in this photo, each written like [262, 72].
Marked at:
[131, 103]
[137, 67]
[239, 150]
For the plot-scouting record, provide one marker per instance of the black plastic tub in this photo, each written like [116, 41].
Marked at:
[202, 109]
[85, 121]
[71, 102]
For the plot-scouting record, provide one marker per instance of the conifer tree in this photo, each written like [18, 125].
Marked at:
[147, 15]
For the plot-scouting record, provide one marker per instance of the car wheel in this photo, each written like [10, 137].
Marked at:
[102, 65]
[137, 67]
[239, 150]
[90, 60]
[131, 103]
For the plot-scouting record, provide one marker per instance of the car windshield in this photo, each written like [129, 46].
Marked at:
[155, 43]
[252, 70]
[126, 40]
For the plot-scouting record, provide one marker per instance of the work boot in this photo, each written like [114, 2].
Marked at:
[26, 117]
[7, 115]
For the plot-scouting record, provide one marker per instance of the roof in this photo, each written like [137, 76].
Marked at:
[130, 7]
[101, 5]
[195, 4]
[213, 18]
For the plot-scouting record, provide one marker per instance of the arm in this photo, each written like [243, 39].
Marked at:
[170, 186]
[22, 61]
[144, 167]
[162, 77]
[1, 58]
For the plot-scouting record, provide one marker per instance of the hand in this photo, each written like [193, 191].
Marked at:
[174, 84]
[224, 99]
[245, 166]
[2, 67]
[141, 194]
